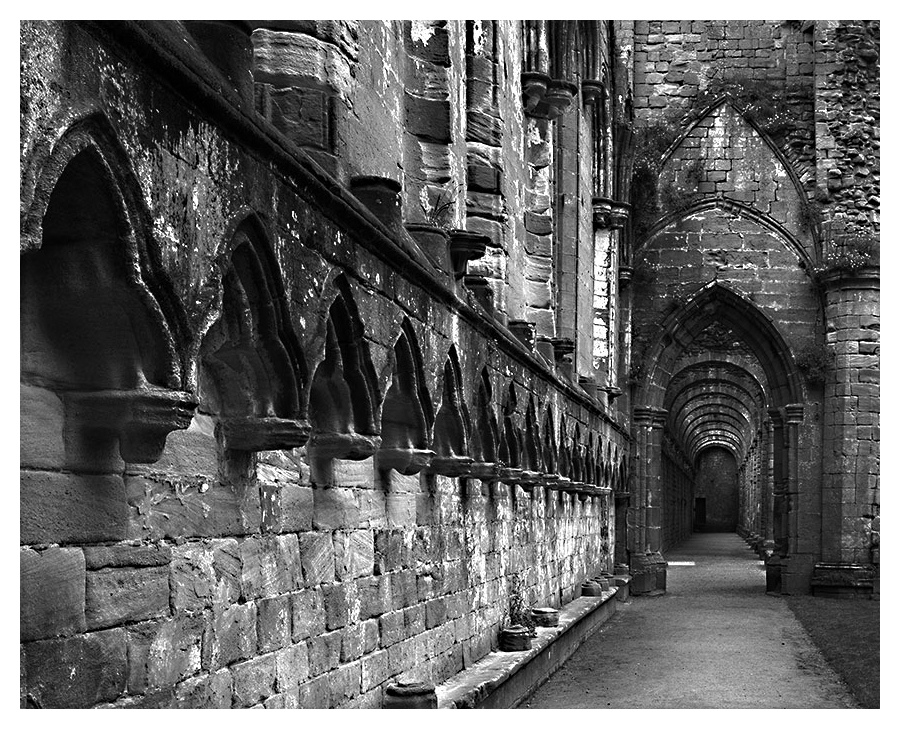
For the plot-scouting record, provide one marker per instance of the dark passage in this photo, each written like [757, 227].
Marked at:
[716, 492]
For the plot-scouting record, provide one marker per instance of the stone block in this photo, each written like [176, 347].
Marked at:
[288, 563]
[371, 508]
[296, 512]
[291, 667]
[51, 593]
[374, 596]
[404, 590]
[205, 692]
[127, 555]
[116, 595]
[339, 604]
[235, 637]
[282, 701]
[317, 558]
[273, 623]
[254, 680]
[78, 672]
[428, 118]
[484, 128]
[401, 656]
[41, 420]
[162, 653]
[161, 507]
[354, 554]
[388, 551]
[335, 508]
[435, 612]
[286, 59]
[307, 614]
[61, 508]
[345, 683]
[374, 670]
[352, 643]
[393, 628]
[353, 474]
[371, 636]
[325, 652]
[400, 509]
[314, 694]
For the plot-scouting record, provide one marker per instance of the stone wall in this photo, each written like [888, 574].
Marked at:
[280, 455]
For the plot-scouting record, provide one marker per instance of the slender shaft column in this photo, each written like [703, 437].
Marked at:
[779, 543]
[790, 527]
[647, 563]
[768, 502]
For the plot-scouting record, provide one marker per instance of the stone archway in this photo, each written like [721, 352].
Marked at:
[715, 306]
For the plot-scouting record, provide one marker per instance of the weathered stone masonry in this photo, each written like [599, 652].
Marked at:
[274, 450]
[339, 337]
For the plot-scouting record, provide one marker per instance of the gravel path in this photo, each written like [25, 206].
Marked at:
[714, 640]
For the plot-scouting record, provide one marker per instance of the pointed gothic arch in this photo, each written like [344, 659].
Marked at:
[407, 416]
[251, 368]
[343, 393]
[92, 328]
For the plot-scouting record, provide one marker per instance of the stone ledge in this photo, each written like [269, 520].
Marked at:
[503, 680]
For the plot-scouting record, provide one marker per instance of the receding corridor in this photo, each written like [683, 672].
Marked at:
[714, 640]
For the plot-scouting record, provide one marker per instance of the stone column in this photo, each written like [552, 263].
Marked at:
[793, 417]
[779, 545]
[768, 492]
[850, 484]
[647, 564]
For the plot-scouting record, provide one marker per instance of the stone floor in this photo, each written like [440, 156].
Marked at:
[714, 640]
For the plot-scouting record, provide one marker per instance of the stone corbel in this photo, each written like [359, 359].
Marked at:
[484, 471]
[141, 418]
[547, 98]
[592, 90]
[560, 97]
[382, 196]
[602, 213]
[619, 214]
[407, 461]
[451, 466]
[510, 475]
[524, 331]
[465, 247]
[350, 446]
[262, 434]
[482, 291]
[529, 479]
[534, 87]
[562, 347]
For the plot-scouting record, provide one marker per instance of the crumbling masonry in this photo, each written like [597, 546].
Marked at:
[337, 337]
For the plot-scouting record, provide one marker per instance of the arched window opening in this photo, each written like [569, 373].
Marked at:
[406, 415]
[343, 393]
[251, 370]
[91, 330]
[485, 436]
[451, 426]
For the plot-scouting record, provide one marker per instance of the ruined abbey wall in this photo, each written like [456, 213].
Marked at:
[342, 339]
[283, 452]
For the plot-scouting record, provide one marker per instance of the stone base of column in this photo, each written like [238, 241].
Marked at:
[765, 549]
[835, 579]
[648, 574]
[773, 574]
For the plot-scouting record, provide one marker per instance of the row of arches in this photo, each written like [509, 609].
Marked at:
[97, 320]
